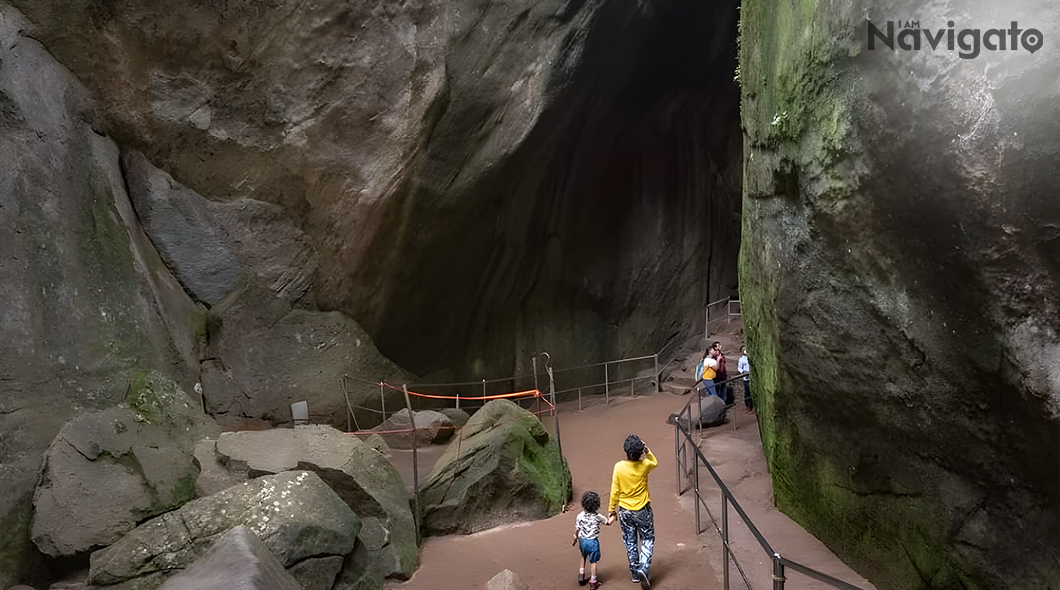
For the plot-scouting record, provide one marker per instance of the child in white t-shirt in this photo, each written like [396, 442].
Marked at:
[586, 536]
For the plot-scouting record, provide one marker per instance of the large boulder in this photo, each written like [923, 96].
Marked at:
[264, 354]
[237, 560]
[502, 467]
[106, 472]
[360, 475]
[899, 283]
[295, 514]
[431, 427]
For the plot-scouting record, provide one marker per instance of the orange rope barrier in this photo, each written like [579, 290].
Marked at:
[528, 393]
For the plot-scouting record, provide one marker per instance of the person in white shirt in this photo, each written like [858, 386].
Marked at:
[744, 366]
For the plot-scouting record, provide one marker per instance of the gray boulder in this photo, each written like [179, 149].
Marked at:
[211, 244]
[106, 472]
[264, 354]
[237, 560]
[431, 427]
[711, 409]
[360, 475]
[503, 467]
[457, 416]
[295, 514]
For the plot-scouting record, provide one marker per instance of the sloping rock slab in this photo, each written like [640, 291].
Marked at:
[503, 467]
[295, 514]
[237, 560]
[359, 474]
[107, 471]
[431, 427]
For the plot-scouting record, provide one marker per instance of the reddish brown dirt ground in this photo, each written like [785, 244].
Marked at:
[540, 552]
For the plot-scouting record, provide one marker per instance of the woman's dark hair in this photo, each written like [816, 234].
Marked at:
[634, 447]
[590, 501]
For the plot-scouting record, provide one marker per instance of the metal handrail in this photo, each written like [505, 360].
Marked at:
[682, 439]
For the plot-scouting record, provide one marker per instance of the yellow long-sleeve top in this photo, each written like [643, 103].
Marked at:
[629, 483]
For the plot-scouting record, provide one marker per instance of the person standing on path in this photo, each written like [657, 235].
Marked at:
[744, 366]
[629, 496]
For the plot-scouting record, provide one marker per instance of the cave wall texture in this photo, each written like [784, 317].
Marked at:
[898, 276]
[481, 180]
[252, 196]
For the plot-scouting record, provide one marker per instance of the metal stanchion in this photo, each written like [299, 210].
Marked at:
[415, 463]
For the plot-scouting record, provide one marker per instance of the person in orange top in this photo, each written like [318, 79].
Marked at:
[629, 496]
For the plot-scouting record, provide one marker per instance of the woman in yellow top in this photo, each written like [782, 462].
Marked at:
[629, 495]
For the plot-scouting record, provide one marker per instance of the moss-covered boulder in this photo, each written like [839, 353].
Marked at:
[106, 472]
[899, 280]
[502, 467]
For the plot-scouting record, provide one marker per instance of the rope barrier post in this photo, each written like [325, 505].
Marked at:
[346, 394]
[631, 388]
[658, 377]
[458, 399]
[415, 463]
[607, 388]
[555, 410]
[579, 399]
[382, 400]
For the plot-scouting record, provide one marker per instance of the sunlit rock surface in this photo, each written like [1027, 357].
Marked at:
[899, 280]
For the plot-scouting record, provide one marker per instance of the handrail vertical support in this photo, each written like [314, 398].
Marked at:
[677, 455]
[725, 539]
[778, 573]
[695, 484]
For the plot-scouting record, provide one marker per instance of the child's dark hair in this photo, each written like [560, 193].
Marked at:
[590, 501]
[634, 447]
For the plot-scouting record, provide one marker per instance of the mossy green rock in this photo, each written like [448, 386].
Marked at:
[898, 282]
[108, 471]
[502, 467]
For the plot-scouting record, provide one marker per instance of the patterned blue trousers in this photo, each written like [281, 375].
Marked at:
[638, 524]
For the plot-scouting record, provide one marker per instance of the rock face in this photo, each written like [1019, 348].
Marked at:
[295, 514]
[361, 476]
[558, 167]
[87, 301]
[899, 284]
[108, 471]
[502, 467]
[237, 560]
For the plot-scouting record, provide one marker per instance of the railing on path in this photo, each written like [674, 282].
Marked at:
[721, 311]
[689, 458]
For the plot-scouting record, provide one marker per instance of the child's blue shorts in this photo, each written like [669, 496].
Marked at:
[590, 549]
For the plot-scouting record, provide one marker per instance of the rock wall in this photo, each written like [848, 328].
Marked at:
[87, 301]
[899, 279]
[481, 180]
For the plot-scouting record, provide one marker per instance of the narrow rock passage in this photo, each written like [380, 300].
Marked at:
[541, 552]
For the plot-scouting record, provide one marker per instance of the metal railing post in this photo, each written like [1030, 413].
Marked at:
[778, 573]
[695, 484]
[677, 454]
[725, 539]
[458, 399]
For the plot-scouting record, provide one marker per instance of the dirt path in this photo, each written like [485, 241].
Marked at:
[541, 553]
